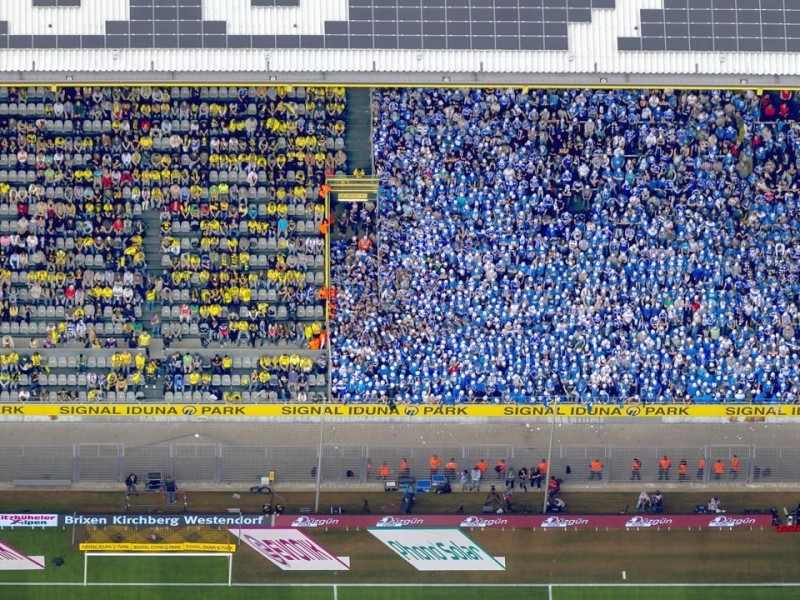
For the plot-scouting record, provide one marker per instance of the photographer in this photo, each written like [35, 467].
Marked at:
[493, 500]
[556, 505]
[657, 502]
[130, 484]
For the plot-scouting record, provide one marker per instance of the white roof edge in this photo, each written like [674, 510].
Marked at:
[400, 79]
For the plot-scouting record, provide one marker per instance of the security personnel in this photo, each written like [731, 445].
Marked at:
[450, 469]
[500, 468]
[404, 468]
[434, 462]
[664, 465]
[636, 467]
[701, 468]
[735, 465]
[683, 470]
[543, 468]
[596, 469]
[383, 470]
[719, 469]
[482, 466]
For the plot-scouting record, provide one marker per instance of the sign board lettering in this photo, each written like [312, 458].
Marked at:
[438, 549]
[291, 550]
[28, 520]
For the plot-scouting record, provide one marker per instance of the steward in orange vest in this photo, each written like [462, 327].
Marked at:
[636, 467]
[596, 469]
[664, 465]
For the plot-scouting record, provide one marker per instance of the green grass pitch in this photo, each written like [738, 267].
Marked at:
[578, 565]
[326, 592]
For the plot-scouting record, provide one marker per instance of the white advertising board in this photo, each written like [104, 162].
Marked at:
[291, 550]
[438, 550]
[28, 520]
[12, 559]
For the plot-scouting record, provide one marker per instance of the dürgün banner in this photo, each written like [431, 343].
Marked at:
[504, 521]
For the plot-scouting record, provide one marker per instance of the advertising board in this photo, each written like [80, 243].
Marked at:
[291, 550]
[28, 520]
[139, 547]
[12, 559]
[506, 521]
[184, 520]
[443, 549]
[407, 411]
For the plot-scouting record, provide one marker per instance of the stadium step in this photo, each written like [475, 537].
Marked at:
[358, 135]
[152, 253]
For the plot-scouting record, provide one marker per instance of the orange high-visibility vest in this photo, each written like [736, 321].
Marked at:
[403, 466]
[434, 462]
[543, 468]
[665, 463]
[636, 465]
[451, 465]
[719, 467]
[701, 464]
[597, 466]
[482, 466]
[384, 470]
[735, 464]
[683, 468]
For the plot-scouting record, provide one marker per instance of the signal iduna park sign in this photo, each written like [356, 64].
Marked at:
[403, 411]
[291, 550]
[438, 550]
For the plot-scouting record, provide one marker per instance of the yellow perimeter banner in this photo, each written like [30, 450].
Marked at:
[182, 547]
[490, 411]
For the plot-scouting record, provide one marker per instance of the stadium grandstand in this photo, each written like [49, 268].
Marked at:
[172, 236]
[317, 288]
[595, 246]
[614, 239]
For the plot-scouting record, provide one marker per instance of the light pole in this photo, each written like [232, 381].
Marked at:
[549, 457]
[327, 394]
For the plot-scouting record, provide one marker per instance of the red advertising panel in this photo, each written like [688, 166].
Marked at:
[565, 521]
[390, 521]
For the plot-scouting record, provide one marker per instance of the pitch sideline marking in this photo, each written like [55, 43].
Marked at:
[408, 585]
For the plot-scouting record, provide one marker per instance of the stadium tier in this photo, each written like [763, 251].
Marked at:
[595, 246]
[164, 219]
[535, 245]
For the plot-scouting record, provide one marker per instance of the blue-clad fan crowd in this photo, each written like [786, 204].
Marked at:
[603, 246]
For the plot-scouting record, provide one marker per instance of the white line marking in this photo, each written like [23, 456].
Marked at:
[335, 592]
[550, 592]
[408, 585]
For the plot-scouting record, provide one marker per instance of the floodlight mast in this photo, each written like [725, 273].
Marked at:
[549, 456]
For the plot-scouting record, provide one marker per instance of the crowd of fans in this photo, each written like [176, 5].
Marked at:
[231, 174]
[529, 245]
[266, 378]
[128, 372]
[255, 186]
[599, 246]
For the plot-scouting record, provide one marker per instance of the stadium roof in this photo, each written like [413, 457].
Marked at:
[404, 41]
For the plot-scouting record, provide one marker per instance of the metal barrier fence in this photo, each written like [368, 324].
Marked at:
[354, 463]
